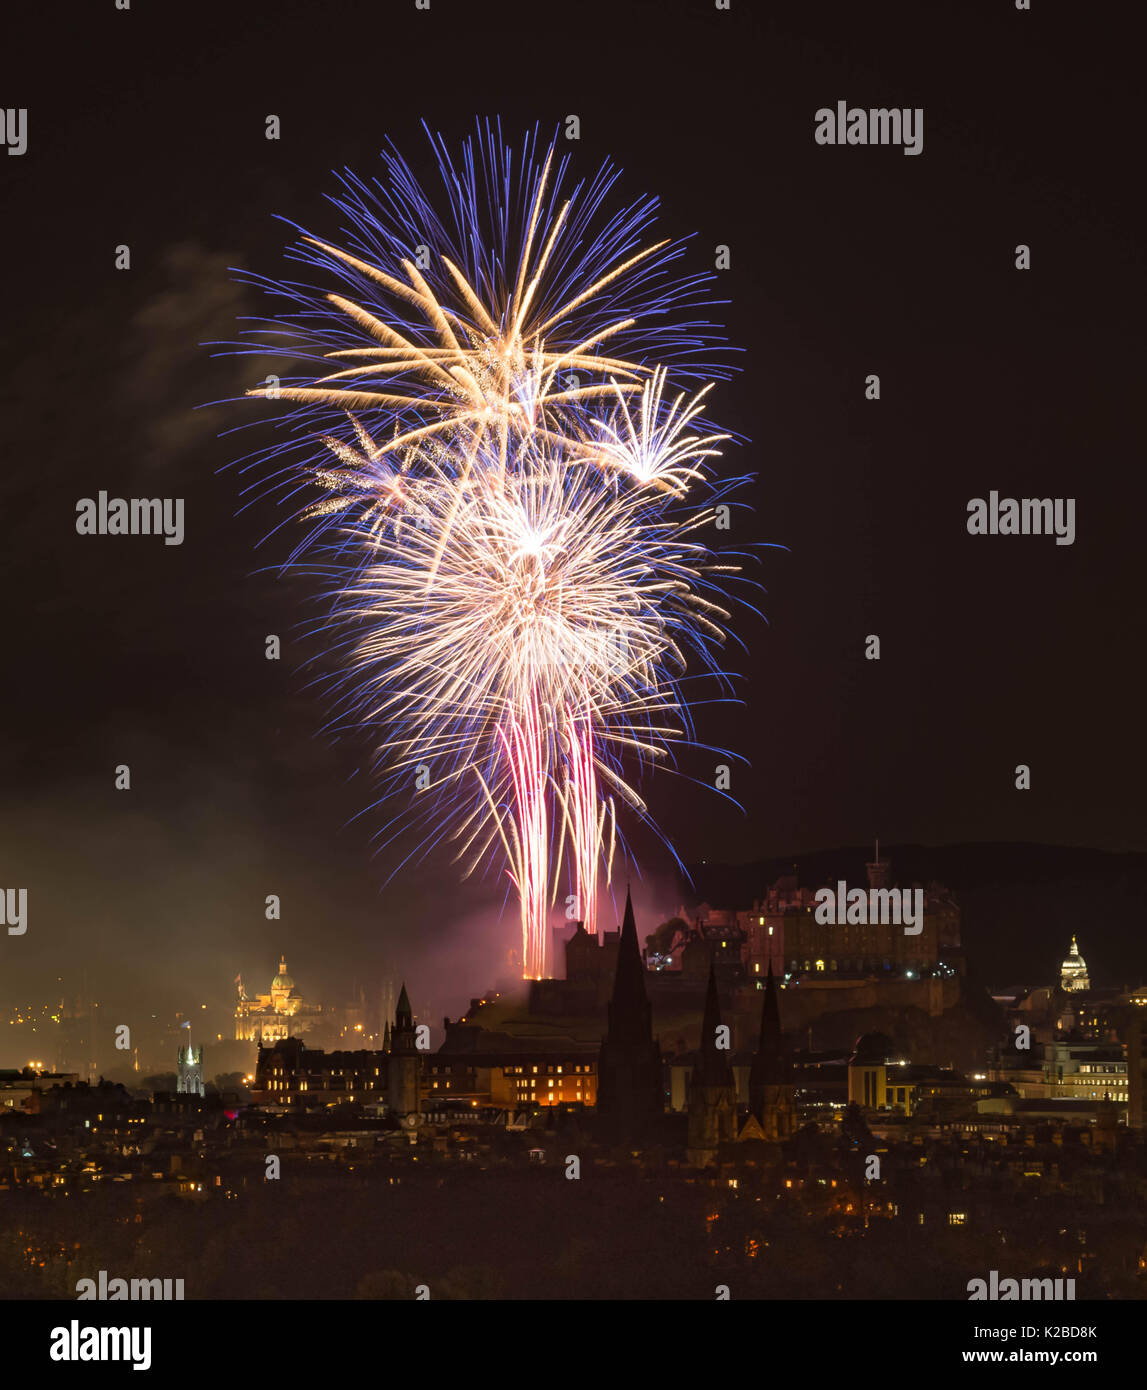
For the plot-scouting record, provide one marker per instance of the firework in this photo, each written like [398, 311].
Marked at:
[513, 500]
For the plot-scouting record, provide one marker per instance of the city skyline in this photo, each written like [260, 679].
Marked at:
[289, 1010]
[571, 608]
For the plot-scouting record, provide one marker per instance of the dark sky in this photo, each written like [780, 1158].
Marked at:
[146, 127]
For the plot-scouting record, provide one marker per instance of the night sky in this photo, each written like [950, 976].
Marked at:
[146, 127]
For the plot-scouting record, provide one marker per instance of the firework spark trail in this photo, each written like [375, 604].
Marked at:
[552, 614]
[524, 743]
[507, 531]
[586, 818]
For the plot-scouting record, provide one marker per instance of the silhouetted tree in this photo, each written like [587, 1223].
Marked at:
[663, 939]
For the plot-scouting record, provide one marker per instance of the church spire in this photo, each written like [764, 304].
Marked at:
[630, 1090]
[712, 1094]
[630, 1002]
[771, 1091]
[769, 1064]
[712, 1067]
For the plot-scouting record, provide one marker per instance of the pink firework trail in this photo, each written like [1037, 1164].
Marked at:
[585, 817]
[526, 754]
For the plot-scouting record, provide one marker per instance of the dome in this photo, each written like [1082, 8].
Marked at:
[282, 980]
[1074, 961]
[1073, 972]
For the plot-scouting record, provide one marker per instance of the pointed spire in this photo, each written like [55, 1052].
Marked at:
[629, 922]
[712, 1067]
[770, 1066]
[770, 1077]
[629, 1094]
[404, 1009]
[630, 1017]
[629, 982]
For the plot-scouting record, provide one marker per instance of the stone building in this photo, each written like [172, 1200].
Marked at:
[280, 1013]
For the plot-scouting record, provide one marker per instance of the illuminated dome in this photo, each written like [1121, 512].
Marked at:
[1073, 972]
[282, 980]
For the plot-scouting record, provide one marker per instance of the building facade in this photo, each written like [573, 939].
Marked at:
[780, 931]
[280, 1013]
